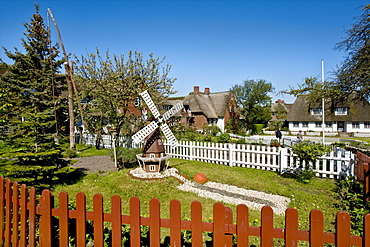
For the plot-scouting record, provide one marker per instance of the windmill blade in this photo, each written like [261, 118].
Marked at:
[144, 132]
[169, 135]
[172, 111]
[149, 102]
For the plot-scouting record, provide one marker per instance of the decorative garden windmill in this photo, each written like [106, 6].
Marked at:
[153, 157]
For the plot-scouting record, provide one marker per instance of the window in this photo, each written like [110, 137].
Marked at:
[341, 111]
[305, 124]
[152, 156]
[295, 124]
[166, 107]
[367, 125]
[318, 124]
[355, 125]
[152, 168]
[316, 111]
[159, 141]
[212, 121]
[137, 101]
[329, 124]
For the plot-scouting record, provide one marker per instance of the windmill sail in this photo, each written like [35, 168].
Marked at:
[160, 121]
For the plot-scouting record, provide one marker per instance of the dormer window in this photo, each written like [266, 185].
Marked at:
[316, 111]
[341, 111]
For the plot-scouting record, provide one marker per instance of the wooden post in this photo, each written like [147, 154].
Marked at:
[366, 182]
[196, 224]
[45, 236]
[242, 225]
[155, 223]
[63, 219]
[316, 237]
[291, 227]
[135, 221]
[267, 226]
[175, 223]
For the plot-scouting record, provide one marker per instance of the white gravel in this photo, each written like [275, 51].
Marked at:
[222, 192]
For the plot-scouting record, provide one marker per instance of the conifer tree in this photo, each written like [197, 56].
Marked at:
[31, 119]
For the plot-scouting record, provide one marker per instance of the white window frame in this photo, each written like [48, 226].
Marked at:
[295, 124]
[318, 124]
[152, 168]
[305, 124]
[355, 125]
[152, 156]
[316, 111]
[367, 125]
[341, 111]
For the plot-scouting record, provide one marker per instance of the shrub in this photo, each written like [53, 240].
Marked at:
[223, 138]
[349, 195]
[309, 152]
[126, 157]
[257, 128]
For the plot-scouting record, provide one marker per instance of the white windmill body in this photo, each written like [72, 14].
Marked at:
[153, 158]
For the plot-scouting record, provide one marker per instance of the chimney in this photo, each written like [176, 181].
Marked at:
[196, 89]
[207, 90]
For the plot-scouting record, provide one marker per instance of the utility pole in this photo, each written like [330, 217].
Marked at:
[323, 101]
[71, 89]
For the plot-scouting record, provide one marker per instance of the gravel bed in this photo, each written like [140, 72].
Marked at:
[222, 192]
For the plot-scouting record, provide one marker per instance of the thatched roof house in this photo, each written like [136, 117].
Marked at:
[347, 115]
[214, 109]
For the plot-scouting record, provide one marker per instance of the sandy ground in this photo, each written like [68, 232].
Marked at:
[95, 163]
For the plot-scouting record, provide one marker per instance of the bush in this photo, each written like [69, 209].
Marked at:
[257, 128]
[223, 138]
[349, 195]
[126, 157]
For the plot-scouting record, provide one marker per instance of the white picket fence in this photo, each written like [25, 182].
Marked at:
[338, 163]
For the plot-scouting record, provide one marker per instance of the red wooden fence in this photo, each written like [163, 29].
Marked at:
[363, 172]
[26, 221]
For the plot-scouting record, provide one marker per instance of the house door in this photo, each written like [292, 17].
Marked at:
[341, 126]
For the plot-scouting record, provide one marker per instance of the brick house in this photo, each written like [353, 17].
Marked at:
[206, 108]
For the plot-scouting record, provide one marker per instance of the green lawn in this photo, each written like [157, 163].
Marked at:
[304, 197]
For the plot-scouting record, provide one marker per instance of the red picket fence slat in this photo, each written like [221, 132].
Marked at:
[21, 213]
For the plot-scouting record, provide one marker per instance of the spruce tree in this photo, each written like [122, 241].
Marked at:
[31, 120]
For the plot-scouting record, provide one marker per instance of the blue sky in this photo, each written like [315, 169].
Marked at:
[214, 44]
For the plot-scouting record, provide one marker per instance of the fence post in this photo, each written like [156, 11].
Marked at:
[366, 182]
[231, 154]
[45, 219]
[283, 159]
[191, 150]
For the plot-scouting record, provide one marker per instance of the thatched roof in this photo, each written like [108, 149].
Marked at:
[212, 105]
[357, 110]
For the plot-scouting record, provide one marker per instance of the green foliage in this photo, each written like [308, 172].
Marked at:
[108, 83]
[223, 138]
[354, 73]
[211, 130]
[253, 98]
[349, 193]
[309, 151]
[126, 157]
[306, 175]
[34, 108]
[257, 128]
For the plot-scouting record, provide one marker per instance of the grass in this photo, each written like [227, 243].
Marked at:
[304, 197]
